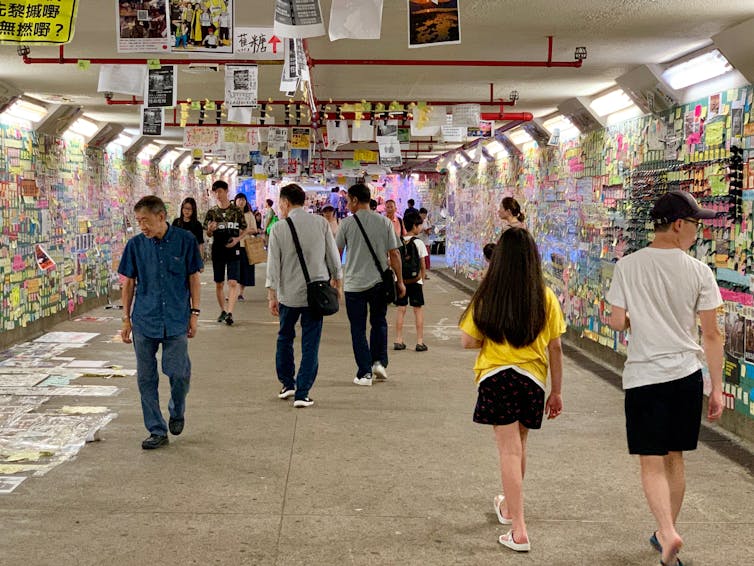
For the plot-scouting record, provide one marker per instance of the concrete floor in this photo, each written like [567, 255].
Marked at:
[392, 474]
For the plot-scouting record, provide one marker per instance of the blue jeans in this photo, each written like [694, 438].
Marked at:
[311, 332]
[366, 353]
[175, 364]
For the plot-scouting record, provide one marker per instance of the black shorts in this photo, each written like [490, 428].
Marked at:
[414, 296]
[222, 261]
[507, 397]
[664, 417]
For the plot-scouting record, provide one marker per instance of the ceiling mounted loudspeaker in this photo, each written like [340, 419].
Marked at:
[59, 119]
[105, 135]
[736, 44]
[647, 90]
[578, 112]
[8, 95]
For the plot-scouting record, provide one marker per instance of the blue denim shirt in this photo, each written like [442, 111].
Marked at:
[162, 300]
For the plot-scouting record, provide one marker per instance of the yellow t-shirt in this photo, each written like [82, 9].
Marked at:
[532, 359]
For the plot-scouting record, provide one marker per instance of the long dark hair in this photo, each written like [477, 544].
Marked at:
[246, 207]
[192, 202]
[510, 204]
[509, 305]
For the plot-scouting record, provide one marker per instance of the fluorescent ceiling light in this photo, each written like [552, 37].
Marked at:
[84, 127]
[122, 140]
[149, 151]
[632, 111]
[495, 148]
[520, 136]
[699, 69]
[170, 156]
[462, 159]
[611, 102]
[567, 129]
[24, 110]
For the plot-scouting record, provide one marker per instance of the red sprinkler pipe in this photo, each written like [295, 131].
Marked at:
[453, 62]
[517, 116]
[62, 60]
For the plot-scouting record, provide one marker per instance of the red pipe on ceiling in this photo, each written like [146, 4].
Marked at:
[446, 63]
[62, 60]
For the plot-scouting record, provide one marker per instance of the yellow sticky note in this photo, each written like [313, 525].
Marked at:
[153, 63]
[83, 64]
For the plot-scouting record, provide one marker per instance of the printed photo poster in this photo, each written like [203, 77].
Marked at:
[38, 23]
[390, 151]
[433, 22]
[298, 19]
[161, 87]
[201, 27]
[277, 141]
[142, 26]
[44, 261]
[749, 338]
[257, 43]
[301, 138]
[241, 85]
[152, 121]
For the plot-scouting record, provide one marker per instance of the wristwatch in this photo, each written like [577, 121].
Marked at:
[195, 311]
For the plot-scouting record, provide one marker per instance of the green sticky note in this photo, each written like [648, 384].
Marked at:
[196, 105]
[153, 63]
[83, 64]
[210, 105]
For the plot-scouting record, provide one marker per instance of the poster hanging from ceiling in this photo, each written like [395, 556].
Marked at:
[152, 121]
[298, 18]
[260, 43]
[124, 79]
[202, 27]
[29, 22]
[241, 83]
[141, 26]
[390, 150]
[301, 138]
[433, 23]
[161, 88]
[355, 19]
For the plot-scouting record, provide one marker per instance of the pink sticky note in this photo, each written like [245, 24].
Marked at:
[18, 263]
[698, 110]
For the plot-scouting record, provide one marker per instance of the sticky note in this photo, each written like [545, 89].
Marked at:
[153, 63]
[83, 64]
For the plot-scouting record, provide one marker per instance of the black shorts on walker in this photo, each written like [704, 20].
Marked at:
[219, 265]
[507, 397]
[664, 417]
[414, 296]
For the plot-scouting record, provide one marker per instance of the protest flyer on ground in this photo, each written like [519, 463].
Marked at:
[201, 27]
[36, 23]
[259, 43]
[9, 483]
[298, 18]
[67, 338]
[141, 26]
[161, 88]
[433, 22]
[241, 84]
[152, 121]
[355, 19]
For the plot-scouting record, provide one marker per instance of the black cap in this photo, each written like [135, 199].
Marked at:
[675, 205]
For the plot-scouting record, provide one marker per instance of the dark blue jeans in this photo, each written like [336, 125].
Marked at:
[357, 305]
[311, 332]
[175, 364]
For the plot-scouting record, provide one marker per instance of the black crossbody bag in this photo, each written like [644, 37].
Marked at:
[388, 281]
[321, 297]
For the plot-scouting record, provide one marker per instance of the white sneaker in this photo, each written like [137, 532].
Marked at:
[365, 380]
[298, 403]
[379, 371]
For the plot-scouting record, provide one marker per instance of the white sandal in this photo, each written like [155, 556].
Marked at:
[498, 501]
[507, 540]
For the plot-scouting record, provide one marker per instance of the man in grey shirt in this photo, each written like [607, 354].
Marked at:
[286, 290]
[363, 282]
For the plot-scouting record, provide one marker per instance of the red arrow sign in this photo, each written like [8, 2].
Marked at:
[274, 40]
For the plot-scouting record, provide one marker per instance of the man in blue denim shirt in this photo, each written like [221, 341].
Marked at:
[161, 268]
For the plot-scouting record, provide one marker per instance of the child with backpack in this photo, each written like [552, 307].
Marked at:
[413, 251]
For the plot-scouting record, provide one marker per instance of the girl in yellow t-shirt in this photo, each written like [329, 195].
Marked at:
[516, 322]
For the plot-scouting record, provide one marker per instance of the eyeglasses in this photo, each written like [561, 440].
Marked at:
[692, 221]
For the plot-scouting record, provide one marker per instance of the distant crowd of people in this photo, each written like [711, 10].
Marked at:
[513, 319]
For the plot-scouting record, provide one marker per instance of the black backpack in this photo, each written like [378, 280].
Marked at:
[411, 262]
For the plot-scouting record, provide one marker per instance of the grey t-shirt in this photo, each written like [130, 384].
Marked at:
[361, 274]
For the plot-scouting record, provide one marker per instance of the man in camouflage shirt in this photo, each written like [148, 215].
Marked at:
[225, 223]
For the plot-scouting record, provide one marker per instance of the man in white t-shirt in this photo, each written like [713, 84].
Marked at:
[413, 254]
[657, 293]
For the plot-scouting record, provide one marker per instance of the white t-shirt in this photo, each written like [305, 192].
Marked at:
[420, 247]
[662, 290]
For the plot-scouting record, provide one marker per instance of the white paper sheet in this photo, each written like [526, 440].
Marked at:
[355, 19]
[298, 18]
[123, 79]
